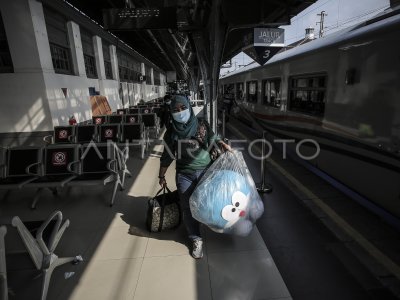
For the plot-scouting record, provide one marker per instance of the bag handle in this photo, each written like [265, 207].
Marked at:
[163, 196]
[163, 189]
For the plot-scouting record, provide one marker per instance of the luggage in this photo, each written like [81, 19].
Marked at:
[164, 211]
[226, 198]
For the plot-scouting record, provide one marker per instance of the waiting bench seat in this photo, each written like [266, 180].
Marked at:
[98, 166]
[58, 167]
[40, 239]
[19, 166]
[64, 165]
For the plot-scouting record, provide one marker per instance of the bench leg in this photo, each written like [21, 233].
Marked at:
[116, 184]
[36, 198]
[114, 193]
[42, 254]
[124, 172]
[29, 241]
[48, 272]
[3, 269]
[3, 287]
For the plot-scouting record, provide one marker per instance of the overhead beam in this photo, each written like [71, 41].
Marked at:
[161, 49]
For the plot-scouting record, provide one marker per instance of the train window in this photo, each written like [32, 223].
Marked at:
[229, 88]
[58, 40]
[272, 92]
[6, 65]
[252, 91]
[308, 94]
[239, 91]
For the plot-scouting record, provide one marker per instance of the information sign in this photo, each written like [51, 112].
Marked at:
[139, 18]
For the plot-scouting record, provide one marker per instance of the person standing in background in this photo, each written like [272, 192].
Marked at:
[166, 114]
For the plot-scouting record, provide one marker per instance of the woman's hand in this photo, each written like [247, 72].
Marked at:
[225, 147]
[162, 182]
[161, 176]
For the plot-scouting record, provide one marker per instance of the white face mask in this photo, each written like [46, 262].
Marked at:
[182, 116]
[168, 102]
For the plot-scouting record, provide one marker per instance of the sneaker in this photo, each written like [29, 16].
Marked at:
[197, 248]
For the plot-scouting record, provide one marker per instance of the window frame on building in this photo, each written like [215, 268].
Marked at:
[148, 74]
[128, 67]
[88, 53]
[156, 75]
[6, 64]
[107, 60]
[60, 49]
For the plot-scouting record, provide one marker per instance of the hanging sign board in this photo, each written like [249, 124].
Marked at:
[139, 18]
[261, 54]
[269, 37]
[263, 43]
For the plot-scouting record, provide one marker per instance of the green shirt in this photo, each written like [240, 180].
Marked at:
[190, 154]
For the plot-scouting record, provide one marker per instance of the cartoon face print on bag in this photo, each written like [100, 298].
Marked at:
[228, 201]
[238, 209]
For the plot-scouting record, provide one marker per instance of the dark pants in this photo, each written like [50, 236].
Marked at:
[186, 183]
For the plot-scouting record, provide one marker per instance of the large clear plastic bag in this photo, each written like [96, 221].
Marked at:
[226, 198]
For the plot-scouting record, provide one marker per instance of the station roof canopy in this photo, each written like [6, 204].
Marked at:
[163, 30]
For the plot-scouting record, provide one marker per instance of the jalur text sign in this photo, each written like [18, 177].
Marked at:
[266, 43]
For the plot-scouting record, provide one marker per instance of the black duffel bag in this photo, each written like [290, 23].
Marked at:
[164, 211]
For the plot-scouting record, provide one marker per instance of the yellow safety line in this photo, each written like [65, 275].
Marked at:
[391, 266]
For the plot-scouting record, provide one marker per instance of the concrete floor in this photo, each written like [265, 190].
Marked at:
[122, 260]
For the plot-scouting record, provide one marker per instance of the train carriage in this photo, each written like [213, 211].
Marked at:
[341, 91]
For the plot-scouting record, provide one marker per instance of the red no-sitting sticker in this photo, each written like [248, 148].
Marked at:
[62, 134]
[98, 120]
[59, 158]
[109, 133]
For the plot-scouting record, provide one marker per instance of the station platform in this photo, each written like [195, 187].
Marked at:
[296, 251]
[122, 260]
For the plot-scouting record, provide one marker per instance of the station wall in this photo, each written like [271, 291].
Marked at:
[34, 97]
